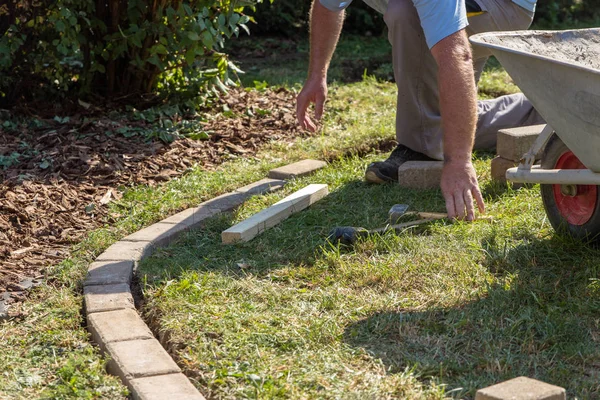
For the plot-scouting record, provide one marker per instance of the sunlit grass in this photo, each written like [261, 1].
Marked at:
[439, 311]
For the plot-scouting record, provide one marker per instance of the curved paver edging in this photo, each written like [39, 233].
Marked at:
[136, 356]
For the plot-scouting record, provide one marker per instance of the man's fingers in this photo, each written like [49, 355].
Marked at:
[459, 206]
[301, 107]
[319, 106]
[469, 205]
[309, 124]
[479, 199]
[450, 206]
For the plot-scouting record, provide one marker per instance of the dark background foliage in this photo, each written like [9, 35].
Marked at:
[290, 17]
[141, 48]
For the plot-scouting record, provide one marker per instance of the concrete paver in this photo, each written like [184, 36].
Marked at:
[263, 186]
[122, 251]
[227, 201]
[420, 174]
[139, 358]
[117, 326]
[499, 166]
[513, 143]
[171, 386]
[159, 234]
[109, 273]
[99, 298]
[192, 218]
[522, 388]
[297, 169]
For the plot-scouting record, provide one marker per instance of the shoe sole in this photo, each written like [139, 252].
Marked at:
[373, 177]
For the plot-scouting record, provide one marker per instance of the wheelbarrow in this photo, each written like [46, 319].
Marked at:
[559, 72]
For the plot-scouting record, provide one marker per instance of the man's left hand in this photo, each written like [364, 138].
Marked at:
[459, 187]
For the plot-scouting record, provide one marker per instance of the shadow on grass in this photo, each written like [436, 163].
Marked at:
[297, 240]
[539, 319]
[540, 322]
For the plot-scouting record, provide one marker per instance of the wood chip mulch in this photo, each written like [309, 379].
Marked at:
[58, 189]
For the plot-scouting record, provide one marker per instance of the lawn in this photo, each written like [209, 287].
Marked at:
[435, 312]
[44, 348]
[304, 319]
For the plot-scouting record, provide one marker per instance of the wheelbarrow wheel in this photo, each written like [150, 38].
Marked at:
[571, 209]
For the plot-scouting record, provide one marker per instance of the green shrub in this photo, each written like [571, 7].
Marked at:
[117, 47]
[559, 14]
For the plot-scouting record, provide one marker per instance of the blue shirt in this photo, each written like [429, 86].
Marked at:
[439, 18]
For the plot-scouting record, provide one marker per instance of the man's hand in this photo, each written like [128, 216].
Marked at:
[325, 27]
[459, 187]
[314, 91]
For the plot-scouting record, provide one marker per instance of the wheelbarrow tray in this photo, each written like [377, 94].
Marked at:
[559, 72]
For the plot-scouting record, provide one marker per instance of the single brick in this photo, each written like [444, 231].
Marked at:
[109, 273]
[498, 172]
[99, 298]
[171, 386]
[263, 186]
[159, 234]
[126, 251]
[522, 388]
[420, 174]
[499, 167]
[117, 326]
[226, 202]
[192, 217]
[513, 143]
[139, 358]
[297, 169]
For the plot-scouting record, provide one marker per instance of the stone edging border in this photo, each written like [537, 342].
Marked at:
[136, 356]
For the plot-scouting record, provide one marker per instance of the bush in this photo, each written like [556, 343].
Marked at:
[561, 14]
[116, 47]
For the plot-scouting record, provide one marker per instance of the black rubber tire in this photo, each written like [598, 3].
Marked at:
[589, 231]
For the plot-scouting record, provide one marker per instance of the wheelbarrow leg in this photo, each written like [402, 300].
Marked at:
[529, 158]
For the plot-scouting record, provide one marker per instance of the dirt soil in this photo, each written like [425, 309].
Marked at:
[58, 189]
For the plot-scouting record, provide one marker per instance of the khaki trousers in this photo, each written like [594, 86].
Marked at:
[418, 120]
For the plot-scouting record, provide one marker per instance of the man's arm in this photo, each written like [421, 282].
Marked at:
[458, 104]
[325, 28]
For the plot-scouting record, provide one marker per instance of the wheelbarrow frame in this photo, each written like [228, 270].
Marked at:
[527, 172]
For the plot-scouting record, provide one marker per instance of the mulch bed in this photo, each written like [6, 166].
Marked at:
[57, 190]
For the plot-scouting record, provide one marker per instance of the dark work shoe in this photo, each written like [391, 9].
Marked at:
[387, 171]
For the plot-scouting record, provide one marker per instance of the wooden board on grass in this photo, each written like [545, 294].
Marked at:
[269, 217]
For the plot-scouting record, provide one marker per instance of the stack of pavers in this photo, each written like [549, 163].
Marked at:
[512, 144]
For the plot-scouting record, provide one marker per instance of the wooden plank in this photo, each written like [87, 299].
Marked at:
[269, 217]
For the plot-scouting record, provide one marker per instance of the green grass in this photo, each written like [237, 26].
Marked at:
[45, 353]
[275, 62]
[285, 62]
[432, 313]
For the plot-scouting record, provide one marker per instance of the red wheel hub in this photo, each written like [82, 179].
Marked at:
[576, 203]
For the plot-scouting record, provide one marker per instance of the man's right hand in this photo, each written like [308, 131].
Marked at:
[314, 91]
